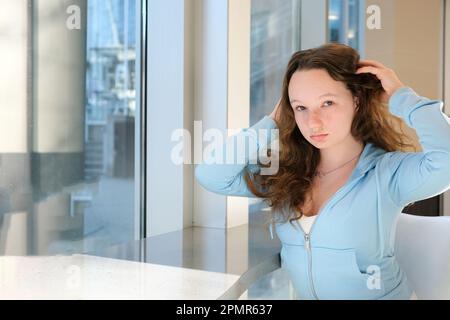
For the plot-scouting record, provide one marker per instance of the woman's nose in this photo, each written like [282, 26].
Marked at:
[314, 120]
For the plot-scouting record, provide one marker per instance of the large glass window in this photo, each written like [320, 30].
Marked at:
[275, 36]
[67, 181]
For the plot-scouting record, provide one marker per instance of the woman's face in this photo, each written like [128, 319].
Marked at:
[321, 105]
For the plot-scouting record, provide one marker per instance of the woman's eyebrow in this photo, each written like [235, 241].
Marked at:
[329, 94]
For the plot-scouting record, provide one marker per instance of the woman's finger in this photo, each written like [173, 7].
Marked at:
[373, 63]
[373, 70]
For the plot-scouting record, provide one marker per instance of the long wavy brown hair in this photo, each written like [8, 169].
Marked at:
[286, 191]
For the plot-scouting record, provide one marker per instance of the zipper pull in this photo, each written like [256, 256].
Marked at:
[307, 243]
[271, 231]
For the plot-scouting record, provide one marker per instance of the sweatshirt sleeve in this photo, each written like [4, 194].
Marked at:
[227, 178]
[415, 176]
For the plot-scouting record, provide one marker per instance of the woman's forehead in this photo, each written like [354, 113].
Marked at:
[322, 96]
[313, 85]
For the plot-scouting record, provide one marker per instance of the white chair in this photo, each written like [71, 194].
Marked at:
[423, 251]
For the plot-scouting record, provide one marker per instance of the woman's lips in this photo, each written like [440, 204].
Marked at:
[319, 137]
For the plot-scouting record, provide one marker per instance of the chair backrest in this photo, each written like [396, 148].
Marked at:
[422, 247]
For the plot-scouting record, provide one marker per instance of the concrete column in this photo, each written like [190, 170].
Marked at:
[59, 60]
[58, 117]
[222, 94]
[166, 112]
[14, 159]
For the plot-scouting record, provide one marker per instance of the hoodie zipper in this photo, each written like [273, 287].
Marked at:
[309, 253]
[307, 236]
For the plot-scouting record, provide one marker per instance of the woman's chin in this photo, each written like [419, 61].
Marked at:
[319, 145]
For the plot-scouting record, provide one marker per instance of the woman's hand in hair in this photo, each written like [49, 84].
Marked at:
[389, 80]
[275, 115]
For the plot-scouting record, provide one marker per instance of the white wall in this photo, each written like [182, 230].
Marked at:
[238, 106]
[211, 80]
[222, 94]
[165, 113]
[198, 69]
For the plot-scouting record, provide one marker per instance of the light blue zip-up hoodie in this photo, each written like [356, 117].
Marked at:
[349, 252]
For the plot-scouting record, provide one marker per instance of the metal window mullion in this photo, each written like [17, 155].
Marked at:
[142, 81]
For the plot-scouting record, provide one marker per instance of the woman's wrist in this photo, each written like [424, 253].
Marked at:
[398, 87]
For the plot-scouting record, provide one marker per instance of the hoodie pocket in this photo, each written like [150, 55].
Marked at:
[336, 275]
[294, 261]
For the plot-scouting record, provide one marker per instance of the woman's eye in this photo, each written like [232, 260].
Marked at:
[329, 103]
[300, 108]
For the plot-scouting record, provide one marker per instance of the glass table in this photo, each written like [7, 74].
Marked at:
[194, 263]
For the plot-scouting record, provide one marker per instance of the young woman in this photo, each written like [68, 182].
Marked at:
[344, 175]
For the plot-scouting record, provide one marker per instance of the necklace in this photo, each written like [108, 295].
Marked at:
[323, 174]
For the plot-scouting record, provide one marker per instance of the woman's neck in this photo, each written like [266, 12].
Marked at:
[335, 156]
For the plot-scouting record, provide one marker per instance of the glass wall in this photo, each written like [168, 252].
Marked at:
[275, 36]
[67, 152]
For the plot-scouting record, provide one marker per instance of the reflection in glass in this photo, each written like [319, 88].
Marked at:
[272, 286]
[67, 181]
[275, 36]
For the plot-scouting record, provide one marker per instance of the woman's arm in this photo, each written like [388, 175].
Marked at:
[228, 178]
[418, 176]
